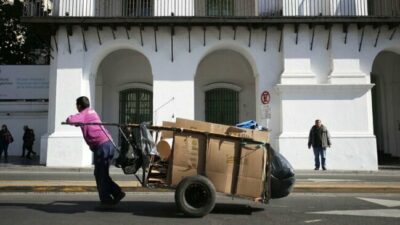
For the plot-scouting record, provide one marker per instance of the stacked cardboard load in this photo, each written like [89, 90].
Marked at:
[232, 167]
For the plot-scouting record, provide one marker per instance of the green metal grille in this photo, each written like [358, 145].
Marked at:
[220, 7]
[136, 106]
[222, 106]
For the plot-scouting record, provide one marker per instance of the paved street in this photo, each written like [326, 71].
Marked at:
[159, 208]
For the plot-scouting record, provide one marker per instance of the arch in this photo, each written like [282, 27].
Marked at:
[374, 55]
[97, 56]
[385, 102]
[229, 45]
[226, 66]
[121, 69]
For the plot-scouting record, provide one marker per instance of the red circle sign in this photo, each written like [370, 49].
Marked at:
[265, 97]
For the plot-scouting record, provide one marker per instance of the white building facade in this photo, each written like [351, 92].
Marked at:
[145, 67]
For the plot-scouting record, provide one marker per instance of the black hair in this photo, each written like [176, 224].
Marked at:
[83, 102]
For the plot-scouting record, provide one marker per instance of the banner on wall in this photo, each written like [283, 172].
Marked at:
[24, 82]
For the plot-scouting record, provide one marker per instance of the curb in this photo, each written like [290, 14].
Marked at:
[360, 187]
[135, 186]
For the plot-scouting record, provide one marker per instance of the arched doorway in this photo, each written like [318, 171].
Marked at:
[124, 89]
[225, 88]
[386, 104]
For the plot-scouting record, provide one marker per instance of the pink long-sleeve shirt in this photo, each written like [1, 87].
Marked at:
[94, 135]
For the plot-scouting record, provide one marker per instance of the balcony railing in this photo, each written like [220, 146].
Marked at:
[212, 8]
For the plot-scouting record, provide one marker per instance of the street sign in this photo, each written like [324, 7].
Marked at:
[265, 97]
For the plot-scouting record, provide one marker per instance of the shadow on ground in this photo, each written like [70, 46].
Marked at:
[138, 208]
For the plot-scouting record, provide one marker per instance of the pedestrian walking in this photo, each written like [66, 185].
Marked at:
[28, 140]
[319, 139]
[5, 140]
[100, 142]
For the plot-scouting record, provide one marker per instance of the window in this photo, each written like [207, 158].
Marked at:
[220, 7]
[137, 8]
[222, 106]
[136, 106]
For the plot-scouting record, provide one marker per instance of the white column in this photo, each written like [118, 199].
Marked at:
[65, 145]
[297, 57]
[346, 56]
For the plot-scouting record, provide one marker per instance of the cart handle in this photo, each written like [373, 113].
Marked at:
[174, 129]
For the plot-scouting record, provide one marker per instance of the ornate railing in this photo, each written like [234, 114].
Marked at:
[212, 8]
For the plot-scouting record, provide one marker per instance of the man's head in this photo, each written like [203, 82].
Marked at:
[318, 123]
[82, 103]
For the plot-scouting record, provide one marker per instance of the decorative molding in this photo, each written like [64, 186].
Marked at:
[136, 85]
[357, 88]
[334, 135]
[222, 85]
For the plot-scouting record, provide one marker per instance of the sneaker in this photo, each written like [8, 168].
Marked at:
[118, 198]
[324, 168]
[316, 168]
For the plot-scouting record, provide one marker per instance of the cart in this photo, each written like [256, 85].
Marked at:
[195, 186]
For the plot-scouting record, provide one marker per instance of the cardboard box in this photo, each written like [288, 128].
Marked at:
[232, 169]
[194, 125]
[262, 136]
[167, 134]
[220, 159]
[188, 156]
[250, 181]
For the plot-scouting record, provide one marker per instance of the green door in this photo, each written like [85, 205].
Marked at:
[222, 106]
[135, 106]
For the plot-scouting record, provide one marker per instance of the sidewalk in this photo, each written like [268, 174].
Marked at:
[19, 176]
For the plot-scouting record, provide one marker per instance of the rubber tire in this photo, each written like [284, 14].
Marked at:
[191, 184]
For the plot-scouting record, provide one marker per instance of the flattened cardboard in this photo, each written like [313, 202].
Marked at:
[231, 168]
[188, 156]
[167, 134]
[262, 136]
[194, 125]
[251, 171]
[220, 163]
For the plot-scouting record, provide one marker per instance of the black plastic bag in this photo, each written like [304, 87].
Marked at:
[130, 158]
[282, 176]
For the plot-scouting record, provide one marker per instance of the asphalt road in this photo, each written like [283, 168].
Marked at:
[159, 208]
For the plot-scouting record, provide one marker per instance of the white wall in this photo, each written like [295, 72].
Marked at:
[332, 83]
[18, 83]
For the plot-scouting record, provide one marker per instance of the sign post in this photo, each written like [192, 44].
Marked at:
[265, 109]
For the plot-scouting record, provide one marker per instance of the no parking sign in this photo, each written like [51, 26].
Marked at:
[265, 97]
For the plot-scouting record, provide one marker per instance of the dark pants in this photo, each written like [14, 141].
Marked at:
[319, 152]
[28, 147]
[106, 187]
[4, 148]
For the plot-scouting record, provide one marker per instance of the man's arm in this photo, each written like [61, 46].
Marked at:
[77, 118]
[328, 137]
[310, 138]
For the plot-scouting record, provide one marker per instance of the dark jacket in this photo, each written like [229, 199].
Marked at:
[319, 137]
[29, 137]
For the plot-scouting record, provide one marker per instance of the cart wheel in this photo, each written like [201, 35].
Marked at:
[195, 196]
